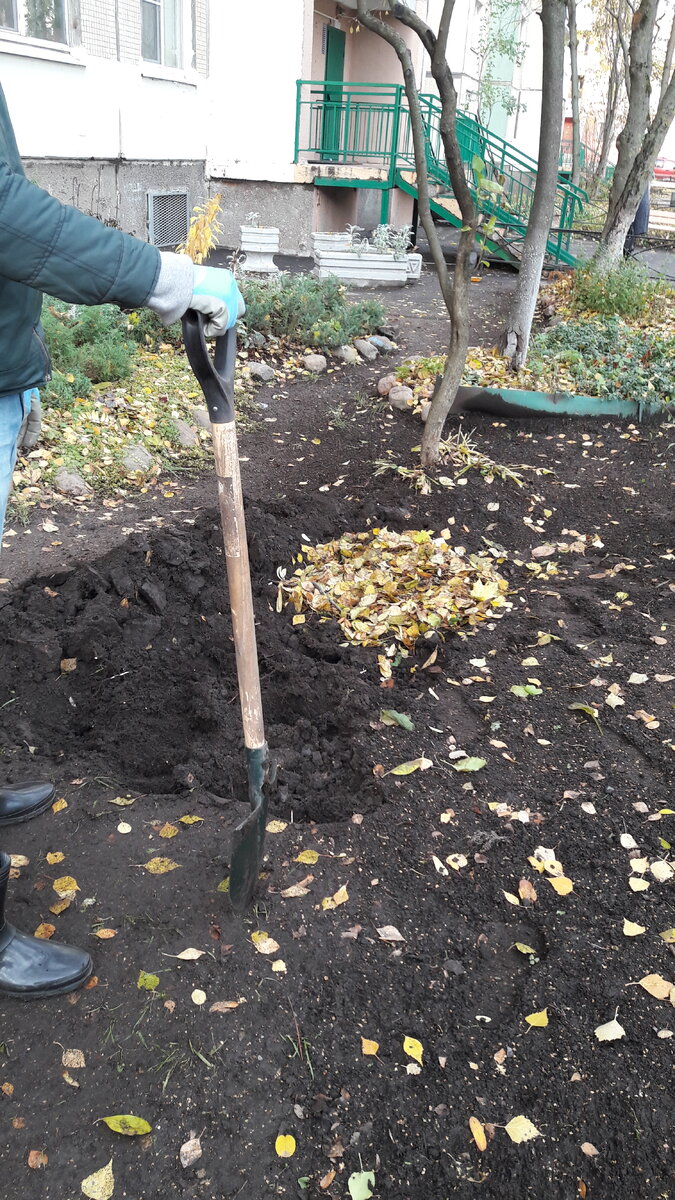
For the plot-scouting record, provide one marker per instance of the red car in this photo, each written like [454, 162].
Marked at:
[665, 170]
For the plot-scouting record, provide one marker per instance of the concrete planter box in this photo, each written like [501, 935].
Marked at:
[361, 270]
[330, 241]
[259, 245]
[414, 267]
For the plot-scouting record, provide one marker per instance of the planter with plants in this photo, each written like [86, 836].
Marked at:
[378, 261]
[259, 245]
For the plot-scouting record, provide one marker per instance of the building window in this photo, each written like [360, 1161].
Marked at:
[162, 32]
[44, 19]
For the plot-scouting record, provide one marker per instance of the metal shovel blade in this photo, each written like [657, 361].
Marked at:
[249, 835]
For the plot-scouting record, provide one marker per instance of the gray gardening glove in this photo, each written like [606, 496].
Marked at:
[212, 291]
[29, 433]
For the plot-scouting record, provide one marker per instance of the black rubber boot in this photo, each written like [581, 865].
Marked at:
[31, 968]
[20, 803]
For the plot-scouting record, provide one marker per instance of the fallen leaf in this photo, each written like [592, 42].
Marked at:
[326, 1180]
[18, 860]
[285, 1145]
[521, 1129]
[67, 1078]
[662, 871]
[123, 801]
[526, 891]
[59, 805]
[168, 831]
[588, 710]
[589, 1149]
[100, 1185]
[407, 768]
[524, 690]
[389, 933]
[105, 935]
[638, 885]
[457, 861]
[447, 816]
[657, 986]
[340, 897]
[610, 1031]
[224, 885]
[147, 982]
[276, 826]
[389, 716]
[510, 897]
[295, 890]
[188, 955]
[524, 948]
[263, 943]
[478, 1133]
[55, 856]
[66, 886]
[73, 1059]
[67, 665]
[279, 966]
[561, 884]
[190, 1152]
[198, 997]
[469, 764]
[222, 1006]
[60, 906]
[668, 936]
[307, 856]
[190, 820]
[664, 1033]
[414, 1049]
[368, 1047]
[442, 870]
[45, 931]
[589, 807]
[630, 929]
[538, 1019]
[124, 827]
[361, 1185]
[160, 866]
[636, 677]
[128, 1125]
[8, 1089]
[37, 1159]
[628, 841]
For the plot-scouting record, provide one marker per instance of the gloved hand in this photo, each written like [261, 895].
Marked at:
[216, 295]
[212, 291]
[29, 433]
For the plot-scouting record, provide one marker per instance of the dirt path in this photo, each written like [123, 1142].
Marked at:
[150, 715]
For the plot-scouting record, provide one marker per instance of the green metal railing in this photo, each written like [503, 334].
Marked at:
[369, 124]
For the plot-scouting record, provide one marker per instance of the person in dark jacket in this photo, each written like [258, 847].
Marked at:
[639, 225]
[46, 246]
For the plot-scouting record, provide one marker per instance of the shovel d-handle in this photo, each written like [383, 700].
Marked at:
[216, 378]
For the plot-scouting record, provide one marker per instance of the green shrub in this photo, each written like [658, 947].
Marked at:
[306, 311]
[607, 357]
[87, 345]
[145, 327]
[625, 291]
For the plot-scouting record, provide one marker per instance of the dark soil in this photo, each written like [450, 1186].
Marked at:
[151, 712]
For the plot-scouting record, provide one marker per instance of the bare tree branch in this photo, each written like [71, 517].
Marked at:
[668, 64]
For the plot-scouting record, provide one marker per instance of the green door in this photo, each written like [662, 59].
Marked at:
[332, 112]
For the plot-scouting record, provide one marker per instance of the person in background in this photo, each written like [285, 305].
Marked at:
[639, 225]
[46, 246]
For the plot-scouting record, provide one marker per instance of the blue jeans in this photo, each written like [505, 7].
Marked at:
[13, 409]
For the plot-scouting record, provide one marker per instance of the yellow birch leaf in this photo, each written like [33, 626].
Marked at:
[123, 801]
[638, 885]
[538, 1019]
[285, 1145]
[60, 906]
[59, 805]
[100, 1185]
[333, 901]
[524, 948]
[457, 861]
[413, 1049]
[129, 1126]
[561, 884]
[536, 863]
[510, 897]
[662, 871]
[307, 856]
[160, 866]
[190, 820]
[65, 886]
[521, 1129]
[276, 826]
[56, 856]
[610, 1031]
[478, 1133]
[657, 986]
[407, 768]
[630, 929]
[279, 966]
[106, 934]
[639, 865]
[263, 943]
[45, 931]
[368, 1047]
[668, 936]
[147, 982]
[168, 830]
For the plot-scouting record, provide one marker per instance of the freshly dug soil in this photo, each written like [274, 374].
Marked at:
[150, 713]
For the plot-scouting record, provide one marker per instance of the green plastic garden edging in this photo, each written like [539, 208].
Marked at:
[511, 402]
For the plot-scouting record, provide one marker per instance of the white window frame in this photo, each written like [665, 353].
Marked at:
[19, 29]
[185, 50]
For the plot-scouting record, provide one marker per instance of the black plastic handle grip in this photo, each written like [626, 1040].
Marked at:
[214, 375]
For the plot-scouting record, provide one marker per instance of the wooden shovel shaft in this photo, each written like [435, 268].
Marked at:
[231, 503]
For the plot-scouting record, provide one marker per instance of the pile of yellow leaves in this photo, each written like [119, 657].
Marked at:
[382, 584]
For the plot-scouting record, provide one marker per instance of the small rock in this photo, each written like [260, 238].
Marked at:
[386, 383]
[387, 331]
[348, 355]
[70, 483]
[202, 418]
[400, 397]
[261, 371]
[186, 435]
[154, 594]
[424, 411]
[257, 339]
[316, 363]
[136, 458]
[366, 349]
[382, 343]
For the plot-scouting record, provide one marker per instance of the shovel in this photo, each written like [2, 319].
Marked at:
[216, 379]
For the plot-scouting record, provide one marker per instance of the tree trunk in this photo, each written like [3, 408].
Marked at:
[607, 130]
[668, 64]
[639, 76]
[574, 70]
[618, 222]
[515, 338]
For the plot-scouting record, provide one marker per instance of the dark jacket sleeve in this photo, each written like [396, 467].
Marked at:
[56, 249]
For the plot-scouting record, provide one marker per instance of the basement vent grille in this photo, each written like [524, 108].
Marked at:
[168, 218]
